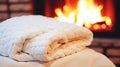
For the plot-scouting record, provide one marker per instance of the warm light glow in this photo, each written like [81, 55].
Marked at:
[96, 26]
[103, 26]
[85, 13]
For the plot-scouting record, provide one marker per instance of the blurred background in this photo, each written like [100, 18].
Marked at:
[100, 16]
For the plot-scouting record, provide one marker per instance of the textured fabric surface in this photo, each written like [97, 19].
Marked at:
[36, 37]
[85, 58]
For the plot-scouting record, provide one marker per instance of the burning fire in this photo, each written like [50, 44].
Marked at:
[85, 13]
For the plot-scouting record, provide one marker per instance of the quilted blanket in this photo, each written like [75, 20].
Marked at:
[35, 37]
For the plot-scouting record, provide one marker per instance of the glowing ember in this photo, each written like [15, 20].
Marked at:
[85, 13]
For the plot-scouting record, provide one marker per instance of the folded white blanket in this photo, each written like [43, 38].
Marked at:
[41, 38]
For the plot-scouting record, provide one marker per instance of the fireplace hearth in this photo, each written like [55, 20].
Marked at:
[110, 9]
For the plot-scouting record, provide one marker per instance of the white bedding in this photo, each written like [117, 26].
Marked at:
[34, 37]
[84, 58]
[51, 42]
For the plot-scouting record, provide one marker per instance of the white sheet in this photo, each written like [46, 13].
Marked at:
[85, 58]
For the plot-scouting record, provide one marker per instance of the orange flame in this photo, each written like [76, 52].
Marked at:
[85, 13]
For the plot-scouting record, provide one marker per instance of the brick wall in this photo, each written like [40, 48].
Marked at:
[109, 47]
[11, 8]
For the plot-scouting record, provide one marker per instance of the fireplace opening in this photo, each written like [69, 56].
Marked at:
[100, 16]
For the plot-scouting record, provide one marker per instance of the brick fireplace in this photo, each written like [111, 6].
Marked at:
[106, 42]
[48, 8]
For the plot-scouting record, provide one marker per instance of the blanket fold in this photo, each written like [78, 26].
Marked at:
[33, 37]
